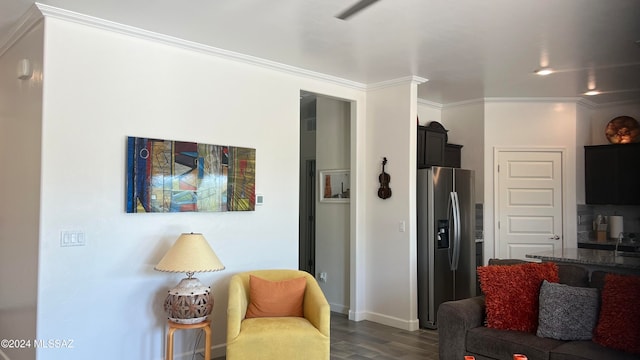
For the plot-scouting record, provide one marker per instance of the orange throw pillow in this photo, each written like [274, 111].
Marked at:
[275, 298]
[511, 293]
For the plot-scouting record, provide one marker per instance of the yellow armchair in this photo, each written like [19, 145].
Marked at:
[278, 338]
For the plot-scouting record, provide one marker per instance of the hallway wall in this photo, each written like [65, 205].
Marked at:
[333, 138]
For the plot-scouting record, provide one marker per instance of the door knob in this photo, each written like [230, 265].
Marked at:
[555, 237]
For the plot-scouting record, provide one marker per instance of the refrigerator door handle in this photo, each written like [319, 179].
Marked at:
[450, 224]
[456, 230]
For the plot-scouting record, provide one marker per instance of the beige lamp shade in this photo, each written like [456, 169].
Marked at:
[191, 253]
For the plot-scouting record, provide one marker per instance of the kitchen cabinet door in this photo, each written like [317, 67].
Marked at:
[431, 145]
[612, 174]
[629, 174]
[453, 155]
[422, 139]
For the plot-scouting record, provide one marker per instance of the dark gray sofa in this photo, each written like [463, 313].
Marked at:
[462, 332]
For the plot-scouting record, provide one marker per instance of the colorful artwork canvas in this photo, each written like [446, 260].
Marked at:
[178, 176]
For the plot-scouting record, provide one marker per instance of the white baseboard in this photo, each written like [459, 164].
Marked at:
[216, 352]
[410, 325]
[356, 316]
[340, 309]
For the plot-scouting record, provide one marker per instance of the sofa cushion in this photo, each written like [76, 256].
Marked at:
[587, 350]
[511, 293]
[573, 275]
[502, 344]
[507, 262]
[619, 323]
[567, 312]
[275, 298]
[597, 279]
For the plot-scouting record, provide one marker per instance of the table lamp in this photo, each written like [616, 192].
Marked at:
[189, 302]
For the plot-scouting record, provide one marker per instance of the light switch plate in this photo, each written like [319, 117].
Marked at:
[72, 238]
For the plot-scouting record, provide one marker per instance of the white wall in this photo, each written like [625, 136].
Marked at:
[332, 219]
[428, 112]
[102, 86]
[465, 123]
[390, 253]
[583, 136]
[526, 124]
[20, 156]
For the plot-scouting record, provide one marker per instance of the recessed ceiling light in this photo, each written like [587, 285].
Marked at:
[544, 71]
[592, 92]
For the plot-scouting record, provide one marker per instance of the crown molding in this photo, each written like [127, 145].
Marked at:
[25, 23]
[430, 104]
[534, 99]
[610, 104]
[481, 101]
[62, 14]
[587, 104]
[393, 82]
[577, 100]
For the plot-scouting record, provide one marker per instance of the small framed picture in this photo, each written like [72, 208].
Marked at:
[335, 186]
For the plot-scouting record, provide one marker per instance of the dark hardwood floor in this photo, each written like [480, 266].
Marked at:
[368, 340]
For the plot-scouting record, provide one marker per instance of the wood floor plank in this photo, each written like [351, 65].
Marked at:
[368, 340]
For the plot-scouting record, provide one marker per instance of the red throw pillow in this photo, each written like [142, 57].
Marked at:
[275, 298]
[511, 293]
[619, 323]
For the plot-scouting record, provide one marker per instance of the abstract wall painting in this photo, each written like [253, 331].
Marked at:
[179, 176]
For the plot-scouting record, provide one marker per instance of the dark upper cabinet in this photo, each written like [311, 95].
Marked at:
[452, 155]
[422, 140]
[612, 174]
[433, 149]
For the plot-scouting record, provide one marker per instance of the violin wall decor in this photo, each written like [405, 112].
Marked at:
[384, 192]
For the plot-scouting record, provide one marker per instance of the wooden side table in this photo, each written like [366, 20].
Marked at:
[205, 325]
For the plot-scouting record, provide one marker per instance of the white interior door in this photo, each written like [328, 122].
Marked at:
[529, 211]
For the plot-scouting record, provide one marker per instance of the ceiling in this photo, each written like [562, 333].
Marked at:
[468, 49]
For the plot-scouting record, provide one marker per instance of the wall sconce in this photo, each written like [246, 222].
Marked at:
[25, 69]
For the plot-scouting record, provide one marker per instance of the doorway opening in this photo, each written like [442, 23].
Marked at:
[324, 226]
[307, 226]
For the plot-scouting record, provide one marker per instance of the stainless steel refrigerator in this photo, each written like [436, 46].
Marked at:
[446, 239]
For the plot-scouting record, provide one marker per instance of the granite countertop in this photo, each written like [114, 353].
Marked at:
[601, 242]
[605, 258]
[609, 245]
[630, 239]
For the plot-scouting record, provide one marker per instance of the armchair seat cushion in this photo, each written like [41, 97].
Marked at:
[284, 333]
